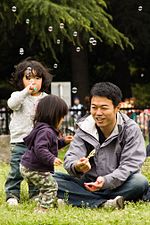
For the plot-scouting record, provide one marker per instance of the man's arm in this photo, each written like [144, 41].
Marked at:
[131, 160]
[75, 161]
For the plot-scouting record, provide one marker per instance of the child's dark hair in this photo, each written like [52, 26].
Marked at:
[108, 90]
[50, 109]
[41, 70]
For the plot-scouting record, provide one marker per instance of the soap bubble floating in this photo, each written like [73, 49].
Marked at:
[74, 90]
[14, 8]
[75, 33]
[27, 21]
[61, 25]
[21, 51]
[55, 65]
[50, 28]
[78, 49]
[140, 8]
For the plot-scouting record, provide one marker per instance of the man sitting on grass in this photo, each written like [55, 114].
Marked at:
[105, 157]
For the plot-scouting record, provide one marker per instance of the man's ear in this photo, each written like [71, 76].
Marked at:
[118, 106]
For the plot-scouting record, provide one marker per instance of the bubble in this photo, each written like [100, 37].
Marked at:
[14, 8]
[140, 8]
[27, 21]
[78, 49]
[75, 33]
[58, 41]
[61, 25]
[55, 65]
[94, 42]
[50, 28]
[21, 51]
[91, 40]
[74, 90]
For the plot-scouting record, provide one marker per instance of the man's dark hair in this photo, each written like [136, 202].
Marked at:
[108, 90]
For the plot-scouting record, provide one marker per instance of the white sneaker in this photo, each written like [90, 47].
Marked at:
[60, 202]
[12, 202]
[116, 203]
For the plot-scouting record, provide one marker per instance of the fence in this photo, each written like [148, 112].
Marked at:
[4, 120]
[140, 116]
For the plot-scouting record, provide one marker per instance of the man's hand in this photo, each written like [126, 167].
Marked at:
[83, 165]
[95, 186]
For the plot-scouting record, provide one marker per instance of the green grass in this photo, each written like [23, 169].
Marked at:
[133, 214]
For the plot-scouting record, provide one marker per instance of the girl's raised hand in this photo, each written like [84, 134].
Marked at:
[30, 88]
[57, 162]
[68, 139]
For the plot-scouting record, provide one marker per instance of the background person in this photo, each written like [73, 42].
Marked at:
[77, 109]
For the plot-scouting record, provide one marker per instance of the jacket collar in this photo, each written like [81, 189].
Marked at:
[88, 125]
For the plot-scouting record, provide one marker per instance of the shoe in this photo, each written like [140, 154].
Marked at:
[60, 202]
[12, 202]
[116, 203]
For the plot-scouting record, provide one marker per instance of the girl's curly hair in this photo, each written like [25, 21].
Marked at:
[41, 71]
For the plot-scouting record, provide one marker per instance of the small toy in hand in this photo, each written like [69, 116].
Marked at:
[91, 154]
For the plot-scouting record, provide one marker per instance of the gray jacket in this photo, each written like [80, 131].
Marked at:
[23, 105]
[119, 156]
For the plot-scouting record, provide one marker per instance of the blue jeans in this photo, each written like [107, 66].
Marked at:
[72, 190]
[14, 179]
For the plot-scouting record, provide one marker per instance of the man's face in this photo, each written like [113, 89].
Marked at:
[103, 112]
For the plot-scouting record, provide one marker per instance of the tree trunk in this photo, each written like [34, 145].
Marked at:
[122, 74]
[80, 76]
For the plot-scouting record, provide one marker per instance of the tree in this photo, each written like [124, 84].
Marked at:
[53, 23]
[132, 18]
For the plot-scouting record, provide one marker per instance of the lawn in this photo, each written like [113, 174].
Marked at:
[66, 215]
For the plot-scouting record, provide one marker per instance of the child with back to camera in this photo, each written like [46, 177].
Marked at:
[32, 80]
[37, 163]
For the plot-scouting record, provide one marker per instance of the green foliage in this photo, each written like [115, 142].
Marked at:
[132, 21]
[141, 94]
[89, 18]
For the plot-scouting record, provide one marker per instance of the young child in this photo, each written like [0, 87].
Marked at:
[37, 163]
[31, 79]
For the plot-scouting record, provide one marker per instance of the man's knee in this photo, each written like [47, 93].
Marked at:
[138, 181]
[137, 186]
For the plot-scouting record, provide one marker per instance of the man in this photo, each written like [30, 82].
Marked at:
[112, 173]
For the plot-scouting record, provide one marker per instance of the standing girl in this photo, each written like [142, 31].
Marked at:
[37, 164]
[31, 79]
